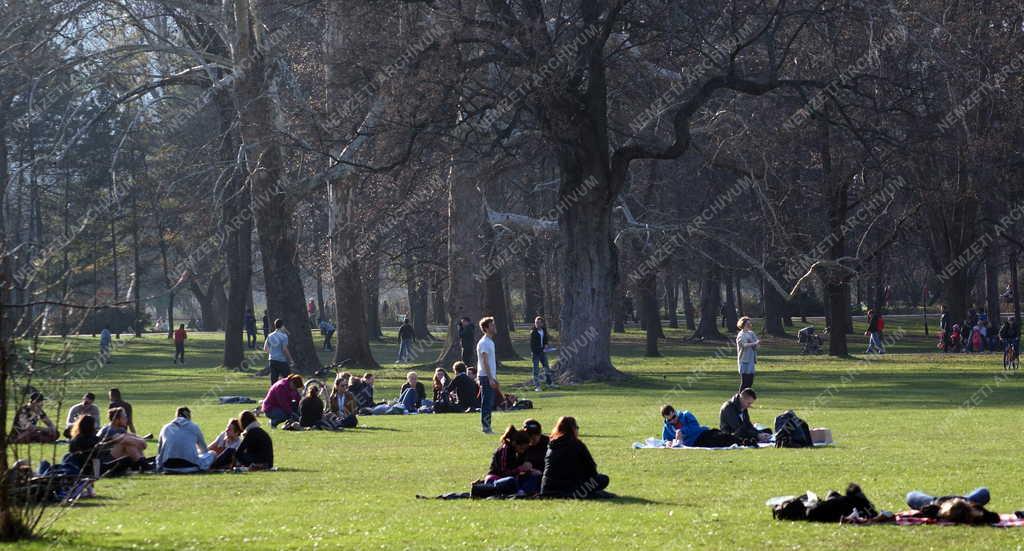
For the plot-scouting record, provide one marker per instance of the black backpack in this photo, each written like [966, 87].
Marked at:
[792, 431]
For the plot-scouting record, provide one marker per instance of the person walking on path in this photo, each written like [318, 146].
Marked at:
[250, 329]
[179, 343]
[405, 336]
[105, 344]
[874, 333]
[539, 347]
[747, 344]
[278, 357]
[487, 374]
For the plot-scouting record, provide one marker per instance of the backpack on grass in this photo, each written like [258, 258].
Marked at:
[792, 431]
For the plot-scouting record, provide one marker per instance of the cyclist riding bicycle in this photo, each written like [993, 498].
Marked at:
[1010, 333]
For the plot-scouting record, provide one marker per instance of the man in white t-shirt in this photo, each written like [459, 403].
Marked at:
[278, 356]
[487, 371]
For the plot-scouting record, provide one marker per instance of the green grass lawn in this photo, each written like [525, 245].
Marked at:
[898, 420]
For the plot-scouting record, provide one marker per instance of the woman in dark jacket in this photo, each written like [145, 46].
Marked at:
[256, 450]
[311, 410]
[569, 469]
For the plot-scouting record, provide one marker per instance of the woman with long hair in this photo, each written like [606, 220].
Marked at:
[747, 344]
[508, 472]
[569, 469]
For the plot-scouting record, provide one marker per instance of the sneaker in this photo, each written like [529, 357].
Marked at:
[488, 431]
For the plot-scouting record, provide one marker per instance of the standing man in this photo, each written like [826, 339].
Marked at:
[327, 329]
[179, 343]
[487, 367]
[539, 347]
[874, 333]
[278, 356]
[405, 336]
[467, 337]
[250, 329]
[105, 344]
[266, 325]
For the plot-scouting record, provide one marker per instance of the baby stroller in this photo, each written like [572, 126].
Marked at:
[810, 342]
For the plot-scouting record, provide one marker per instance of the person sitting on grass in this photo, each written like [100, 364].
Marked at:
[84, 445]
[116, 401]
[311, 411]
[538, 443]
[26, 423]
[122, 443]
[86, 407]
[734, 417]
[440, 381]
[510, 472]
[256, 450]
[463, 388]
[413, 393]
[362, 388]
[569, 469]
[182, 448]
[225, 446]
[282, 399]
[684, 429]
[343, 403]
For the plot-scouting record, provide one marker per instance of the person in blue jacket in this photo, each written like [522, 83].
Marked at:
[683, 428]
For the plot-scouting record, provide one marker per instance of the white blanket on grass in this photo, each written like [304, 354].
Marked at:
[657, 443]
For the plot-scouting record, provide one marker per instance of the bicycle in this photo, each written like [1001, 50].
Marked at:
[1011, 358]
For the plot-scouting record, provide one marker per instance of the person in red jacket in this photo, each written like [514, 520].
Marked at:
[179, 343]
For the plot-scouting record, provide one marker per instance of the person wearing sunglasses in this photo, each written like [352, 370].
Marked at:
[683, 429]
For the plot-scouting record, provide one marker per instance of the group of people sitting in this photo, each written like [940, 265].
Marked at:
[529, 463]
[115, 448]
[734, 425]
[32, 425]
[298, 405]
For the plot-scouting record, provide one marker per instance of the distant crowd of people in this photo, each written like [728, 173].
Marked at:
[977, 333]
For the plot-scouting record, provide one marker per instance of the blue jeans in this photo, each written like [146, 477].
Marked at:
[486, 403]
[875, 343]
[278, 416]
[917, 500]
[408, 399]
[404, 350]
[540, 358]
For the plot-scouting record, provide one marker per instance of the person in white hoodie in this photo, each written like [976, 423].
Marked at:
[182, 448]
[746, 351]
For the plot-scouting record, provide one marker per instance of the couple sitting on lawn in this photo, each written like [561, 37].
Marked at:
[735, 428]
[182, 448]
[529, 463]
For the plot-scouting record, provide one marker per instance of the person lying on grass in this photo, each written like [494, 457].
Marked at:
[509, 468]
[256, 450]
[123, 443]
[734, 417]
[182, 448]
[569, 469]
[282, 400]
[683, 429]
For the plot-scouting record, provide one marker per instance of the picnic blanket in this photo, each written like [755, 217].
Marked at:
[657, 443]
[466, 495]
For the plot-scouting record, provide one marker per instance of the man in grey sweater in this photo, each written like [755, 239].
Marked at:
[182, 448]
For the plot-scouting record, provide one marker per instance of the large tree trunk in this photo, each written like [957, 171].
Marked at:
[237, 224]
[419, 299]
[688, 313]
[589, 268]
[255, 86]
[466, 221]
[836, 292]
[837, 284]
[372, 284]
[671, 296]
[738, 291]
[533, 286]
[352, 331]
[730, 303]
[647, 292]
[710, 304]
[495, 305]
[437, 310]
[1014, 287]
[774, 306]
[619, 309]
